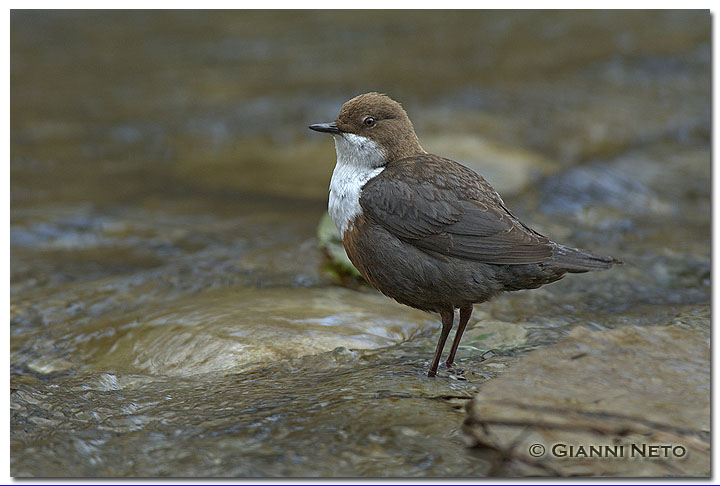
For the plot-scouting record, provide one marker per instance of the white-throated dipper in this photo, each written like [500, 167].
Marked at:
[426, 230]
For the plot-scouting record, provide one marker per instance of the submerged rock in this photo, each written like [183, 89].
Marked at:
[629, 402]
[213, 333]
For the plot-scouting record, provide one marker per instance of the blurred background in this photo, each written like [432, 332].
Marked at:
[171, 310]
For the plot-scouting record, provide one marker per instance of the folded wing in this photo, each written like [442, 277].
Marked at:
[443, 207]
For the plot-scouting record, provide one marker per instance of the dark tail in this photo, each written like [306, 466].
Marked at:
[575, 260]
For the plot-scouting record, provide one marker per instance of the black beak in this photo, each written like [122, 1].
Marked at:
[325, 127]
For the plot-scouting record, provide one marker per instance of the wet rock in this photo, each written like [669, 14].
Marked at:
[596, 184]
[213, 334]
[272, 168]
[508, 168]
[493, 334]
[652, 182]
[642, 394]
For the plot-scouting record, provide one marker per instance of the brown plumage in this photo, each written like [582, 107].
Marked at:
[426, 230]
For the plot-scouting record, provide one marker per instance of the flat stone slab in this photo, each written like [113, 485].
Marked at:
[631, 402]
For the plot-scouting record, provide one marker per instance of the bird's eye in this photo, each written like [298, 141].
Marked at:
[369, 121]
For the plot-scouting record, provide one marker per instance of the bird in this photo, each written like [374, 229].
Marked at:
[427, 231]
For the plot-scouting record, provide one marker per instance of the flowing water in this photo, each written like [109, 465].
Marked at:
[171, 312]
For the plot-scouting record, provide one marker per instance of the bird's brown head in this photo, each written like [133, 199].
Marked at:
[377, 118]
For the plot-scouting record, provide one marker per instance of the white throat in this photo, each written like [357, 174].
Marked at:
[359, 159]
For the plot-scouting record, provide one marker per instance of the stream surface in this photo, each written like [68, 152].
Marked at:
[171, 312]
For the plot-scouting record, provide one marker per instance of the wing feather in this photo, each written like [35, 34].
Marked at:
[443, 207]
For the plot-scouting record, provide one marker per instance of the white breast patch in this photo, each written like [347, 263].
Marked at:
[359, 159]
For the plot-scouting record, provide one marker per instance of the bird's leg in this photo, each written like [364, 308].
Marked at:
[465, 313]
[447, 323]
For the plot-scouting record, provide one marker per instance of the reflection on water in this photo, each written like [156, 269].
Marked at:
[170, 314]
